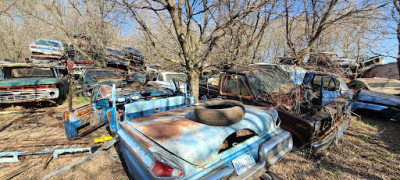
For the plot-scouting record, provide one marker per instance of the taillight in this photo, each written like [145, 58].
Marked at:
[34, 47]
[163, 170]
[59, 50]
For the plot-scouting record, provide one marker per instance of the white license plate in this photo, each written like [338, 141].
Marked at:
[243, 162]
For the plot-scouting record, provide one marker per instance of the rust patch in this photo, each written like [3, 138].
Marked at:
[82, 113]
[144, 142]
[109, 116]
[164, 130]
[244, 132]
[161, 114]
[105, 91]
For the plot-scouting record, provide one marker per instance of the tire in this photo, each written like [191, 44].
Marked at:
[219, 112]
[269, 176]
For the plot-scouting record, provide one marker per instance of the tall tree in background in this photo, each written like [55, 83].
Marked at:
[198, 25]
[316, 16]
[396, 17]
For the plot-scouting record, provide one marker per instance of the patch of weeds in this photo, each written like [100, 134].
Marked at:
[73, 168]
[390, 156]
[365, 138]
[78, 100]
[373, 155]
[376, 127]
[357, 140]
[333, 173]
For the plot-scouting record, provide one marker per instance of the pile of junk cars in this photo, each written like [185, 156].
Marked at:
[246, 120]
[244, 124]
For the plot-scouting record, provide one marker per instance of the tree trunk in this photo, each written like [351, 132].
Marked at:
[398, 41]
[194, 83]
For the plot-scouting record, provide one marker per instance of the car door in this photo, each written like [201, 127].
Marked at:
[84, 119]
[330, 90]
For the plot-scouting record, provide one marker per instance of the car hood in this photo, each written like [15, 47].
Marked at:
[379, 98]
[27, 81]
[386, 90]
[179, 133]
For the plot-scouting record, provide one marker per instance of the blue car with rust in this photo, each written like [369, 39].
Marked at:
[108, 100]
[201, 142]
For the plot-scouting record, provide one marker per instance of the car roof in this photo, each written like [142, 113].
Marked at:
[25, 65]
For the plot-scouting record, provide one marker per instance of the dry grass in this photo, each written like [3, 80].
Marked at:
[369, 149]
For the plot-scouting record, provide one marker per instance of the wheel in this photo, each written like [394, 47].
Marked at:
[269, 176]
[219, 112]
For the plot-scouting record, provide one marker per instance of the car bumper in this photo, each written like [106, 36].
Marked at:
[269, 153]
[329, 139]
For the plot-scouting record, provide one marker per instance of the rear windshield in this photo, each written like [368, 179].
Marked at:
[107, 74]
[26, 72]
[269, 80]
[48, 43]
[179, 77]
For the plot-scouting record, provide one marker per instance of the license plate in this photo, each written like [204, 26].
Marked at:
[243, 162]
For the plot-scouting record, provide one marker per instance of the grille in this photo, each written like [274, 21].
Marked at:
[27, 95]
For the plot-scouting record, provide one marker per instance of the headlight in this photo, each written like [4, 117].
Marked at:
[121, 99]
[135, 98]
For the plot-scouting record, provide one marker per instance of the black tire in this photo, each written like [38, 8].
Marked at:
[269, 176]
[219, 112]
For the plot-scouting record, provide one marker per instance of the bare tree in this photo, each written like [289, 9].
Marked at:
[198, 26]
[316, 16]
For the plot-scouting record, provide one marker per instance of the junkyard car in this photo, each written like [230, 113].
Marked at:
[116, 58]
[316, 113]
[137, 77]
[109, 100]
[382, 85]
[93, 76]
[384, 104]
[164, 78]
[31, 83]
[175, 145]
[47, 46]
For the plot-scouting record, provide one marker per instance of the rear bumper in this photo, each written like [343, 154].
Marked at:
[329, 139]
[269, 153]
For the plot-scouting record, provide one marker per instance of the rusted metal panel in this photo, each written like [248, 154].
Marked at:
[181, 134]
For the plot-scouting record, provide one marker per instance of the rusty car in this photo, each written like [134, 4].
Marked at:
[182, 144]
[316, 112]
[92, 76]
[110, 98]
[20, 83]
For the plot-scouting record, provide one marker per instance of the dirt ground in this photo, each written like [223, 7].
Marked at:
[369, 149]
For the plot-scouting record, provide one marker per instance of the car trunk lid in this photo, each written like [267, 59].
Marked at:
[179, 133]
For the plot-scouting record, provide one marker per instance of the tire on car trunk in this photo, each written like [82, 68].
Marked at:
[219, 112]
